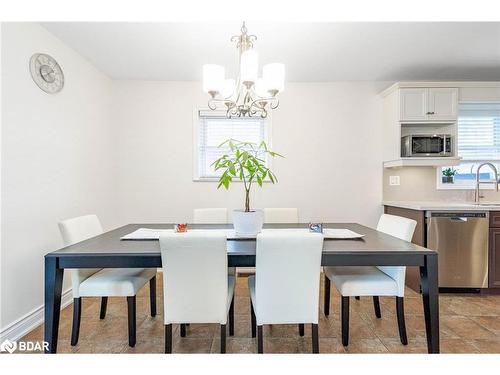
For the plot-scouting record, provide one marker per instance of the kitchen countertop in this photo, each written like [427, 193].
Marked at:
[444, 205]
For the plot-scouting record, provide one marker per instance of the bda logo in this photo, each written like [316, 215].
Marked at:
[8, 346]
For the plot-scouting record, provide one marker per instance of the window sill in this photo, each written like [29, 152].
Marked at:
[216, 179]
[441, 186]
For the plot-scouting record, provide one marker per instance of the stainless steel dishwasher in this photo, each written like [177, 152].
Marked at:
[461, 240]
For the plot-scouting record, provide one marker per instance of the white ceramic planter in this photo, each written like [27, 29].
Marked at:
[248, 223]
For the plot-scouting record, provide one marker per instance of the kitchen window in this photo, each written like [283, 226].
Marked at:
[213, 128]
[478, 141]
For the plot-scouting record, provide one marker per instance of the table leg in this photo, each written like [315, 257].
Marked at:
[430, 299]
[53, 290]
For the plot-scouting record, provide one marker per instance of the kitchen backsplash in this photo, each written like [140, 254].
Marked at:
[419, 184]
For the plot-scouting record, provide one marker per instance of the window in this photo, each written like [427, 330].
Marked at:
[213, 128]
[478, 141]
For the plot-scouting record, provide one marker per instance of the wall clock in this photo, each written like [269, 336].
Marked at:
[46, 73]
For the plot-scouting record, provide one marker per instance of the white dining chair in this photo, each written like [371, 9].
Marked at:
[196, 286]
[274, 216]
[210, 216]
[281, 215]
[372, 281]
[104, 283]
[288, 294]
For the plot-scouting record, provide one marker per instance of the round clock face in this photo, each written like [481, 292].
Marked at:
[46, 73]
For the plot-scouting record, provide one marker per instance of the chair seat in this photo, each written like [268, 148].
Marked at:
[116, 282]
[361, 281]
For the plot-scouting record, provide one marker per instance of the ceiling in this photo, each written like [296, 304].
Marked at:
[312, 52]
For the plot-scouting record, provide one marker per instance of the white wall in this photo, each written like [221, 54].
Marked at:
[329, 133]
[56, 152]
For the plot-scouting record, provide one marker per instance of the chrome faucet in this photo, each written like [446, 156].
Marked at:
[477, 195]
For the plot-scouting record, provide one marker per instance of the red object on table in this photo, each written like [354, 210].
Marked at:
[181, 228]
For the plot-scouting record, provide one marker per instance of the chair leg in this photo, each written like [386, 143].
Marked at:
[376, 306]
[231, 318]
[253, 320]
[104, 306]
[152, 296]
[301, 329]
[131, 320]
[168, 338]
[77, 314]
[315, 338]
[223, 338]
[357, 298]
[326, 307]
[401, 320]
[260, 340]
[345, 321]
[183, 330]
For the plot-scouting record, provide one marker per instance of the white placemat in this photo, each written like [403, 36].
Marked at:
[154, 234]
[340, 233]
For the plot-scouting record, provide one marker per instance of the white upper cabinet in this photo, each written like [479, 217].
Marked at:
[442, 104]
[428, 104]
[413, 104]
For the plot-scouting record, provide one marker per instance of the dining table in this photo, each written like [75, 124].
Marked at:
[109, 250]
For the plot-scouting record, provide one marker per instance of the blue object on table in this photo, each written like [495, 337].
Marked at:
[316, 227]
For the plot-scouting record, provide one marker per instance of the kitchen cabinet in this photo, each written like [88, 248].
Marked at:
[413, 104]
[442, 104]
[494, 251]
[428, 104]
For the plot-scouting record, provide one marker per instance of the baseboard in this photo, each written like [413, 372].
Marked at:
[30, 321]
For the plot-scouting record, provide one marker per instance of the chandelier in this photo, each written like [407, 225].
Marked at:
[248, 95]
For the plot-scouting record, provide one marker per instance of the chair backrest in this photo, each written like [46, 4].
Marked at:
[76, 230]
[210, 216]
[287, 277]
[194, 277]
[281, 215]
[402, 228]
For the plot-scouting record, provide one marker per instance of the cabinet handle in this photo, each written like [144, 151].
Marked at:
[430, 113]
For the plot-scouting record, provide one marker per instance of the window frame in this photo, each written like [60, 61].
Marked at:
[465, 186]
[195, 145]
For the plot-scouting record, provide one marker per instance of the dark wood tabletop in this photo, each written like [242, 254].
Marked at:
[373, 241]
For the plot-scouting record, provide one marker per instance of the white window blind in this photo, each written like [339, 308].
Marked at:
[479, 131]
[215, 129]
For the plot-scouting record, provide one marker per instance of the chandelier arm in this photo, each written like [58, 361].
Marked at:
[212, 105]
[271, 100]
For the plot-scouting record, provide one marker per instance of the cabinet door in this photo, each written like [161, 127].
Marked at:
[494, 259]
[413, 104]
[442, 104]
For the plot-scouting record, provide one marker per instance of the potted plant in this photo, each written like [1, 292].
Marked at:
[245, 161]
[448, 175]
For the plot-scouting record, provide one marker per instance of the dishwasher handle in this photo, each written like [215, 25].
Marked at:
[459, 219]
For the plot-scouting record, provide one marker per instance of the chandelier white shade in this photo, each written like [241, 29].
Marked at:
[274, 76]
[249, 94]
[249, 67]
[213, 78]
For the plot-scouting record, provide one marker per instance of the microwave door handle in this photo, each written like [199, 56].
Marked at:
[443, 146]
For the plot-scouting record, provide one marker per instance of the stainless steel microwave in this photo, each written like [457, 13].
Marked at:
[426, 145]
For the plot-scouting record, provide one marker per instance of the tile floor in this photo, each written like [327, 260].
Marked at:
[469, 324]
